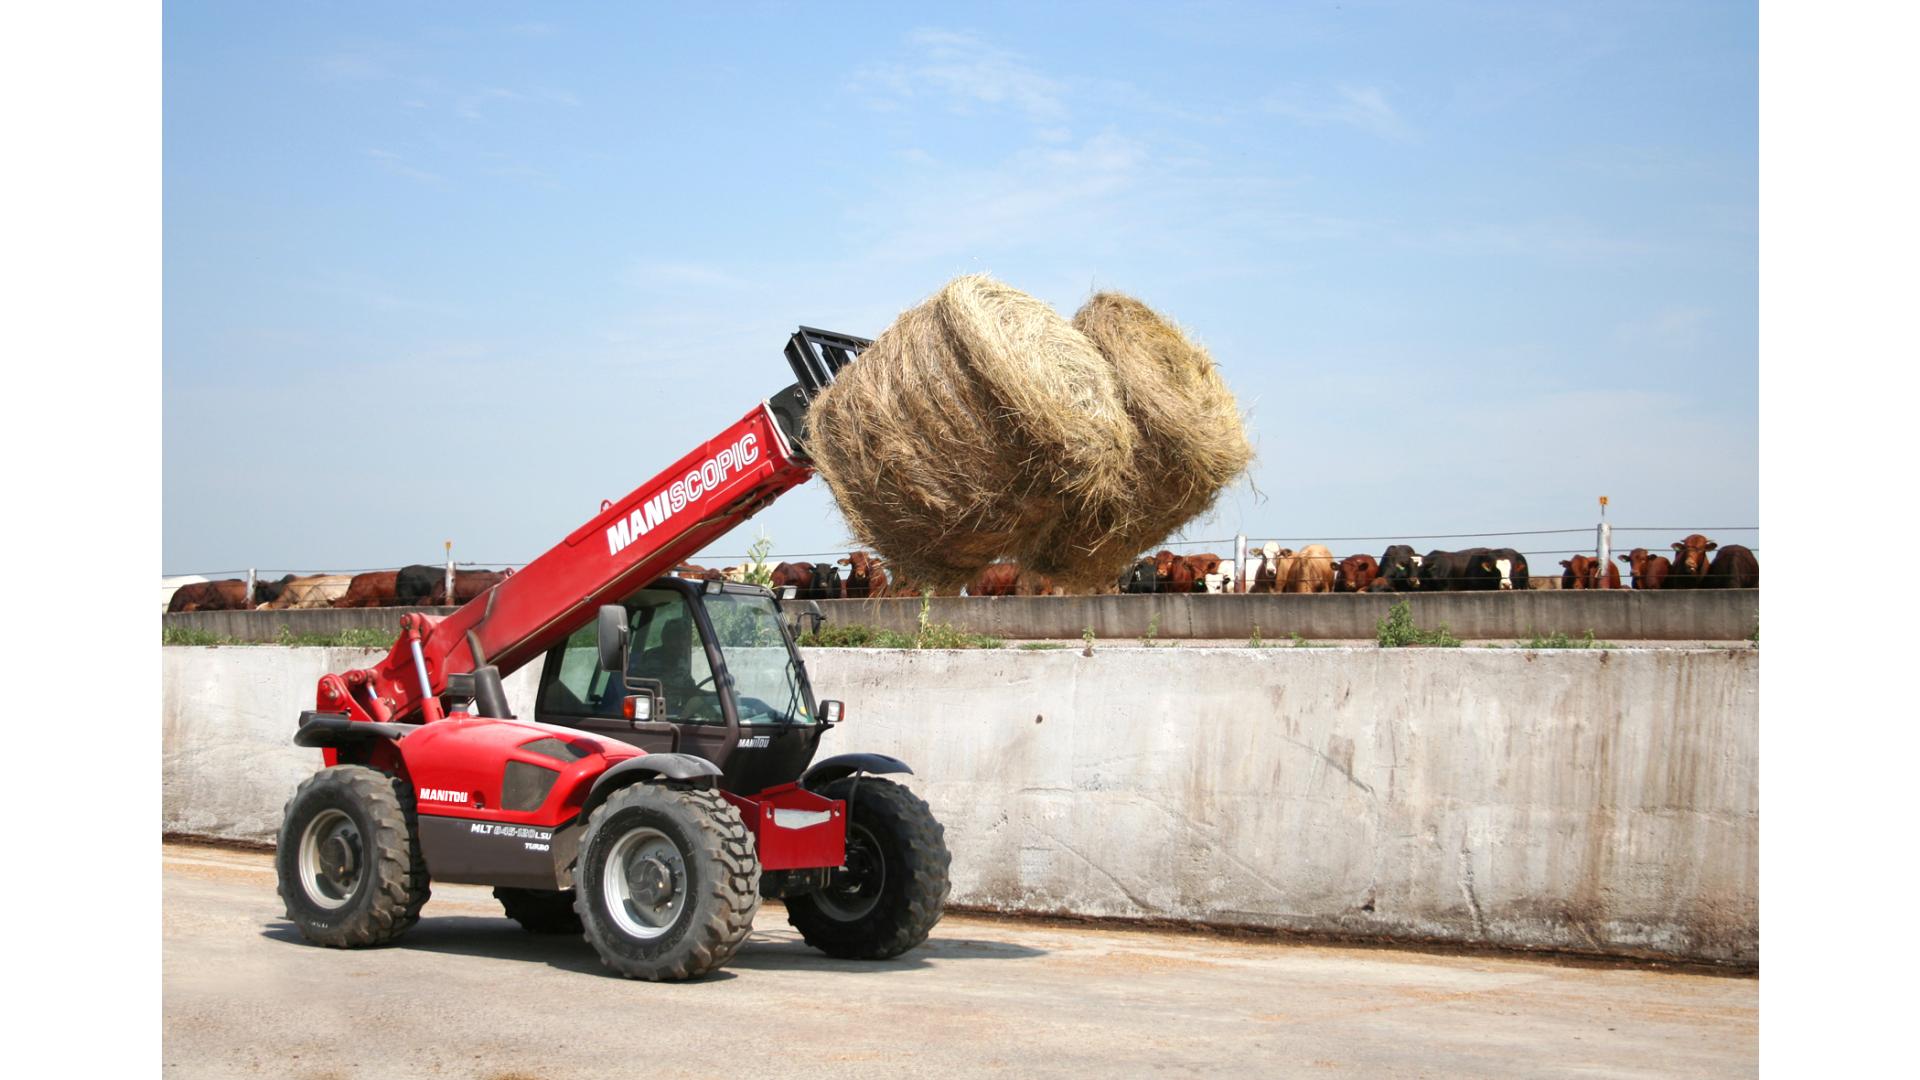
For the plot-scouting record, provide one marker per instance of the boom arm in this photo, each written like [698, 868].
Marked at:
[633, 540]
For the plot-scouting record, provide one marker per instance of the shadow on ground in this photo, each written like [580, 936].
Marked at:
[502, 939]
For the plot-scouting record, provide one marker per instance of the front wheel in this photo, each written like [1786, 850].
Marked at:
[667, 883]
[893, 888]
[348, 860]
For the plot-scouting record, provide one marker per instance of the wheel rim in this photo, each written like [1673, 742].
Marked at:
[854, 892]
[332, 859]
[644, 882]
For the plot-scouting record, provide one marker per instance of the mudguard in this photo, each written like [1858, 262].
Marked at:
[826, 772]
[323, 729]
[665, 766]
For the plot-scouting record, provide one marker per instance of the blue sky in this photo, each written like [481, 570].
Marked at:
[461, 271]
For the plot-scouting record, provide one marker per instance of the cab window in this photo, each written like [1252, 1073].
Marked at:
[663, 643]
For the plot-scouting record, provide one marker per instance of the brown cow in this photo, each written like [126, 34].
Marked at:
[376, 588]
[1311, 571]
[1649, 570]
[797, 574]
[467, 586]
[1583, 572]
[1690, 562]
[1734, 568]
[1008, 579]
[1355, 573]
[228, 595]
[861, 569]
[1173, 573]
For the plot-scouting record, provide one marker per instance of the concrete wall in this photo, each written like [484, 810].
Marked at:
[1603, 801]
[1613, 615]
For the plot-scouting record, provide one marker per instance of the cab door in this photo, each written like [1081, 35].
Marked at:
[668, 644]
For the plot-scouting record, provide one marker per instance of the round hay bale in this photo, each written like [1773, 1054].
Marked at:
[1189, 444]
[965, 428]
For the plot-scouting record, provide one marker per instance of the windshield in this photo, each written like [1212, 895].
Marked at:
[766, 685]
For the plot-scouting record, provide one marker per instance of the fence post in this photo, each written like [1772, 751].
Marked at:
[251, 578]
[449, 596]
[1240, 562]
[1603, 544]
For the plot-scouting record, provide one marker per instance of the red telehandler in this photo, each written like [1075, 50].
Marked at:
[666, 780]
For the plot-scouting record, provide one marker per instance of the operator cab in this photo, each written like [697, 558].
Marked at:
[710, 669]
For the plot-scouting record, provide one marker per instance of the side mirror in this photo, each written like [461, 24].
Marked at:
[831, 712]
[612, 632]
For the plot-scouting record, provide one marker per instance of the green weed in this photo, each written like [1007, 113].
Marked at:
[1397, 631]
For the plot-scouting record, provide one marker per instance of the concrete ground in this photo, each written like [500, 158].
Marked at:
[468, 994]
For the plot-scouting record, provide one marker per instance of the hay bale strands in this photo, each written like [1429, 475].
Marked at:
[981, 425]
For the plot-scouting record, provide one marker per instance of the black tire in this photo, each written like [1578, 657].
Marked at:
[540, 911]
[667, 882]
[348, 858]
[894, 887]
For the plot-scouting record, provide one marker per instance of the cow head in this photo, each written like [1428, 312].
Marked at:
[1503, 566]
[1636, 561]
[1690, 555]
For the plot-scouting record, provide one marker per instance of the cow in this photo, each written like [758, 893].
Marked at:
[1141, 579]
[1446, 571]
[1690, 562]
[1380, 585]
[798, 576]
[996, 579]
[1175, 574]
[467, 586]
[1311, 571]
[1401, 567]
[1203, 564]
[266, 592]
[1649, 570]
[861, 571]
[1276, 566]
[312, 591]
[1355, 573]
[1733, 568]
[376, 588]
[227, 595]
[1497, 569]
[413, 585]
[826, 583]
[1583, 572]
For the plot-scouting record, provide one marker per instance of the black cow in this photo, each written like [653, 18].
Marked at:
[1140, 579]
[266, 592]
[1446, 571]
[1734, 567]
[1400, 568]
[413, 586]
[826, 583]
[1497, 568]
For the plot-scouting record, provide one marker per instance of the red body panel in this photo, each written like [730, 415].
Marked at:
[794, 829]
[457, 768]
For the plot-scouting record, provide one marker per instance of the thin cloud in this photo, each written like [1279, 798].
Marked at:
[1364, 108]
[965, 73]
[398, 166]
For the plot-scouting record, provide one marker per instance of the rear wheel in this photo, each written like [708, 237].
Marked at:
[540, 911]
[894, 886]
[348, 859]
[667, 882]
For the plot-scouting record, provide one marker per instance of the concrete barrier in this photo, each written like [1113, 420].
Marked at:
[1602, 801]
[1612, 615]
